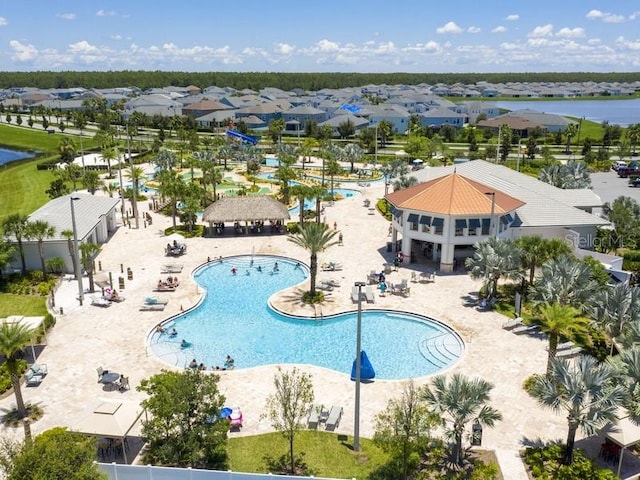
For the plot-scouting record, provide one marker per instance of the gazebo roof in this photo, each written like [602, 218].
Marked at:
[245, 208]
[454, 194]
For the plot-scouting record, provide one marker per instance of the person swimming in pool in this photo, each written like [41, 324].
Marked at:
[259, 268]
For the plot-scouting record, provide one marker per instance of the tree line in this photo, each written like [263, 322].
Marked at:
[287, 81]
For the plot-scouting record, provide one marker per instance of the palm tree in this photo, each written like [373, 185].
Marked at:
[585, 391]
[212, 175]
[627, 365]
[108, 155]
[91, 181]
[459, 402]
[559, 321]
[314, 237]
[287, 156]
[13, 338]
[318, 192]
[564, 280]
[68, 234]
[39, 230]
[135, 174]
[333, 169]
[67, 149]
[535, 250]
[615, 309]
[88, 252]
[352, 154]
[493, 259]
[172, 186]
[16, 225]
[165, 159]
[309, 145]
[303, 192]
[569, 132]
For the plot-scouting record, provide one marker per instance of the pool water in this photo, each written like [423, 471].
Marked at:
[234, 318]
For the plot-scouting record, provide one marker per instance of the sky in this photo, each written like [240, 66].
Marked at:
[365, 36]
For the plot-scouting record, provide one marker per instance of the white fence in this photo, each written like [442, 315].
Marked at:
[141, 472]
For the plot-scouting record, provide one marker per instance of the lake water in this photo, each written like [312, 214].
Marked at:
[618, 112]
[7, 156]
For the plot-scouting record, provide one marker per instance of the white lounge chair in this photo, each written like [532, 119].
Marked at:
[32, 379]
[522, 329]
[100, 302]
[152, 307]
[563, 346]
[335, 414]
[314, 418]
[511, 324]
[568, 353]
[155, 301]
[355, 294]
[369, 295]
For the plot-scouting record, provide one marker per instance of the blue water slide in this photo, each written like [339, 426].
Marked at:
[242, 136]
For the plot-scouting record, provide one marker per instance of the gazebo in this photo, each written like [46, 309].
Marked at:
[248, 213]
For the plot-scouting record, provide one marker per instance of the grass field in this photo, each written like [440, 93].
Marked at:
[27, 305]
[324, 454]
[23, 187]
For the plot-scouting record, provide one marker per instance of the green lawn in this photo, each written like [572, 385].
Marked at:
[25, 138]
[324, 454]
[23, 187]
[27, 305]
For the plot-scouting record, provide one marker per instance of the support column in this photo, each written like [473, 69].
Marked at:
[446, 259]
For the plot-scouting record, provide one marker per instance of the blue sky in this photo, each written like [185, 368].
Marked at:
[321, 36]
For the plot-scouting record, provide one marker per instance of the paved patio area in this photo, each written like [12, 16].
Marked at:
[87, 337]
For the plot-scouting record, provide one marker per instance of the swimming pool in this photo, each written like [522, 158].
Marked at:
[235, 318]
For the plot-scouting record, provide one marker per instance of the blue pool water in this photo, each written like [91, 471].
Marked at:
[234, 318]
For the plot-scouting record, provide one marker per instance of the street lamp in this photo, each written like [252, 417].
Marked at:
[356, 426]
[493, 208]
[75, 250]
[134, 193]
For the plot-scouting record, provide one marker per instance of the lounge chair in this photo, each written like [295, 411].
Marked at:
[333, 420]
[32, 379]
[155, 301]
[522, 329]
[39, 369]
[563, 346]
[330, 282]
[152, 307]
[355, 294]
[369, 295]
[100, 302]
[568, 353]
[165, 288]
[171, 269]
[511, 324]
[314, 418]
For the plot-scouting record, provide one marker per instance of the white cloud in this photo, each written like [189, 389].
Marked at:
[512, 18]
[284, 49]
[449, 28]
[474, 29]
[105, 13]
[3, 22]
[116, 36]
[83, 47]
[327, 46]
[23, 52]
[66, 16]
[499, 29]
[566, 32]
[541, 31]
[608, 17]
[634, 15]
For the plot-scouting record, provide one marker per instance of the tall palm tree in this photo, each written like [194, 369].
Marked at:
[40, 230]
[559, 321]
[165, 160]
[68, 234]
[615, 309]
[627, 364]
[135, 174]
[565, 280]
[570, 131]
[316, 238]
[88, 252]
[13, 338]
[67, 149]
[16, 225]
[494, 258]
[309, 145]
[109, 155]
[172, 187]
[583, 390]
[535, 250]
[91, 181]
[333, 169]
[302, 192]
[352, 154]
[459, 402]
[211, 175]
[318, 192]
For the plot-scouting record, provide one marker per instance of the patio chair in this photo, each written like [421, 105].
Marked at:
[123, 384]
[32, 379]
[101, 372]
[335, 414]
[39, 369]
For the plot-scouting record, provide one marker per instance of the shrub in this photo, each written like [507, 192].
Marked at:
[317, 298]
[384, 208]
[528, 383]
[293, 227]
[544, 464]
[5, 378]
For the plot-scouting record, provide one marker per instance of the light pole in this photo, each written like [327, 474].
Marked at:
[134, 185]
[498, 149]
[375, 154]
[493, 208]
[356, 425]
[78, 271]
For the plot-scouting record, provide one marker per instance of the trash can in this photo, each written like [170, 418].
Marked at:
[121, 283]
[129, 274]
[476, 434]
[389, 246]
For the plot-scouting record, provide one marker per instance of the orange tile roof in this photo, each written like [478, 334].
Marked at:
[453, 194]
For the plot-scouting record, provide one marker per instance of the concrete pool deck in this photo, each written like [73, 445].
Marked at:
[86, 337]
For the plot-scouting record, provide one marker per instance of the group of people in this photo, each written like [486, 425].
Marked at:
[229, 364]
[276, 269]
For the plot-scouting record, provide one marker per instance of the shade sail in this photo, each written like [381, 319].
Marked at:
[110, 419]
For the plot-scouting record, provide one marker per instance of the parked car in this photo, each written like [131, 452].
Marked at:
[633, 169]
[634, 182]
[619, 164]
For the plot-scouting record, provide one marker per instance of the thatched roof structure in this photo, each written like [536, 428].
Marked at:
[249, 208]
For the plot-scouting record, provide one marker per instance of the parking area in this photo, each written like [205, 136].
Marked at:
[609, 186]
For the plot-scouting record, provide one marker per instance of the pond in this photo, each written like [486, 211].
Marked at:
[8, 156]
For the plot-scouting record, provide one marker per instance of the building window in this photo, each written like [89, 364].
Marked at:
[486, 226]
[413, 226]
[461, 224]
[474, 225]
[438, 224]
[413, 220]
